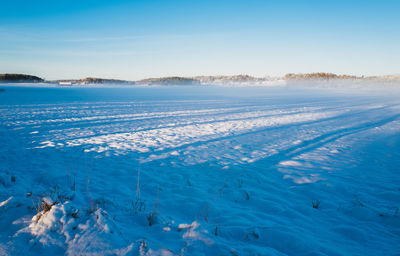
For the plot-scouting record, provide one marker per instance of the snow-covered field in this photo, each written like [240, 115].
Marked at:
[198, 171]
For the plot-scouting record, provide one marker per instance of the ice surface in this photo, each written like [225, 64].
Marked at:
[198, 171]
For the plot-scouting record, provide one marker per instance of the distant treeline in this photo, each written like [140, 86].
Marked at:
[20, 78]
[321, 75]
[173, 80]
[91, 80]
[198, 80]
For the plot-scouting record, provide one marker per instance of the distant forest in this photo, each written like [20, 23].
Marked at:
[196, 80]
[20, 78]
[320, 75]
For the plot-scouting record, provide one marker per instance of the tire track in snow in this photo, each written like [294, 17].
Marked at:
[172, 117]
[187, 122]
[174, 138]
[285, 126]
[321, 140]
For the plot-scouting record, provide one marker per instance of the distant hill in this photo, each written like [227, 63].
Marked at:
[238, 80]
[19, 78]
[91, 80]
[173, 80]
[317, 76]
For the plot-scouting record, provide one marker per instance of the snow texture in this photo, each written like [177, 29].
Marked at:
[199, 171]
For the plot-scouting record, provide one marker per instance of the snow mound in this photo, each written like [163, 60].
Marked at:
[62, 225]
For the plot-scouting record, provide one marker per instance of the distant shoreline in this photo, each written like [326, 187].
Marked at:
[236, 80]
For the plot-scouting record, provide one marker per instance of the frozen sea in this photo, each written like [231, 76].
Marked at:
[199, 171]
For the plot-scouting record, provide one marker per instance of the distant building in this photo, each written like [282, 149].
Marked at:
[65, 83]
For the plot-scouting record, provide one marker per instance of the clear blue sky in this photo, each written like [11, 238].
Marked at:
[138, 39]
